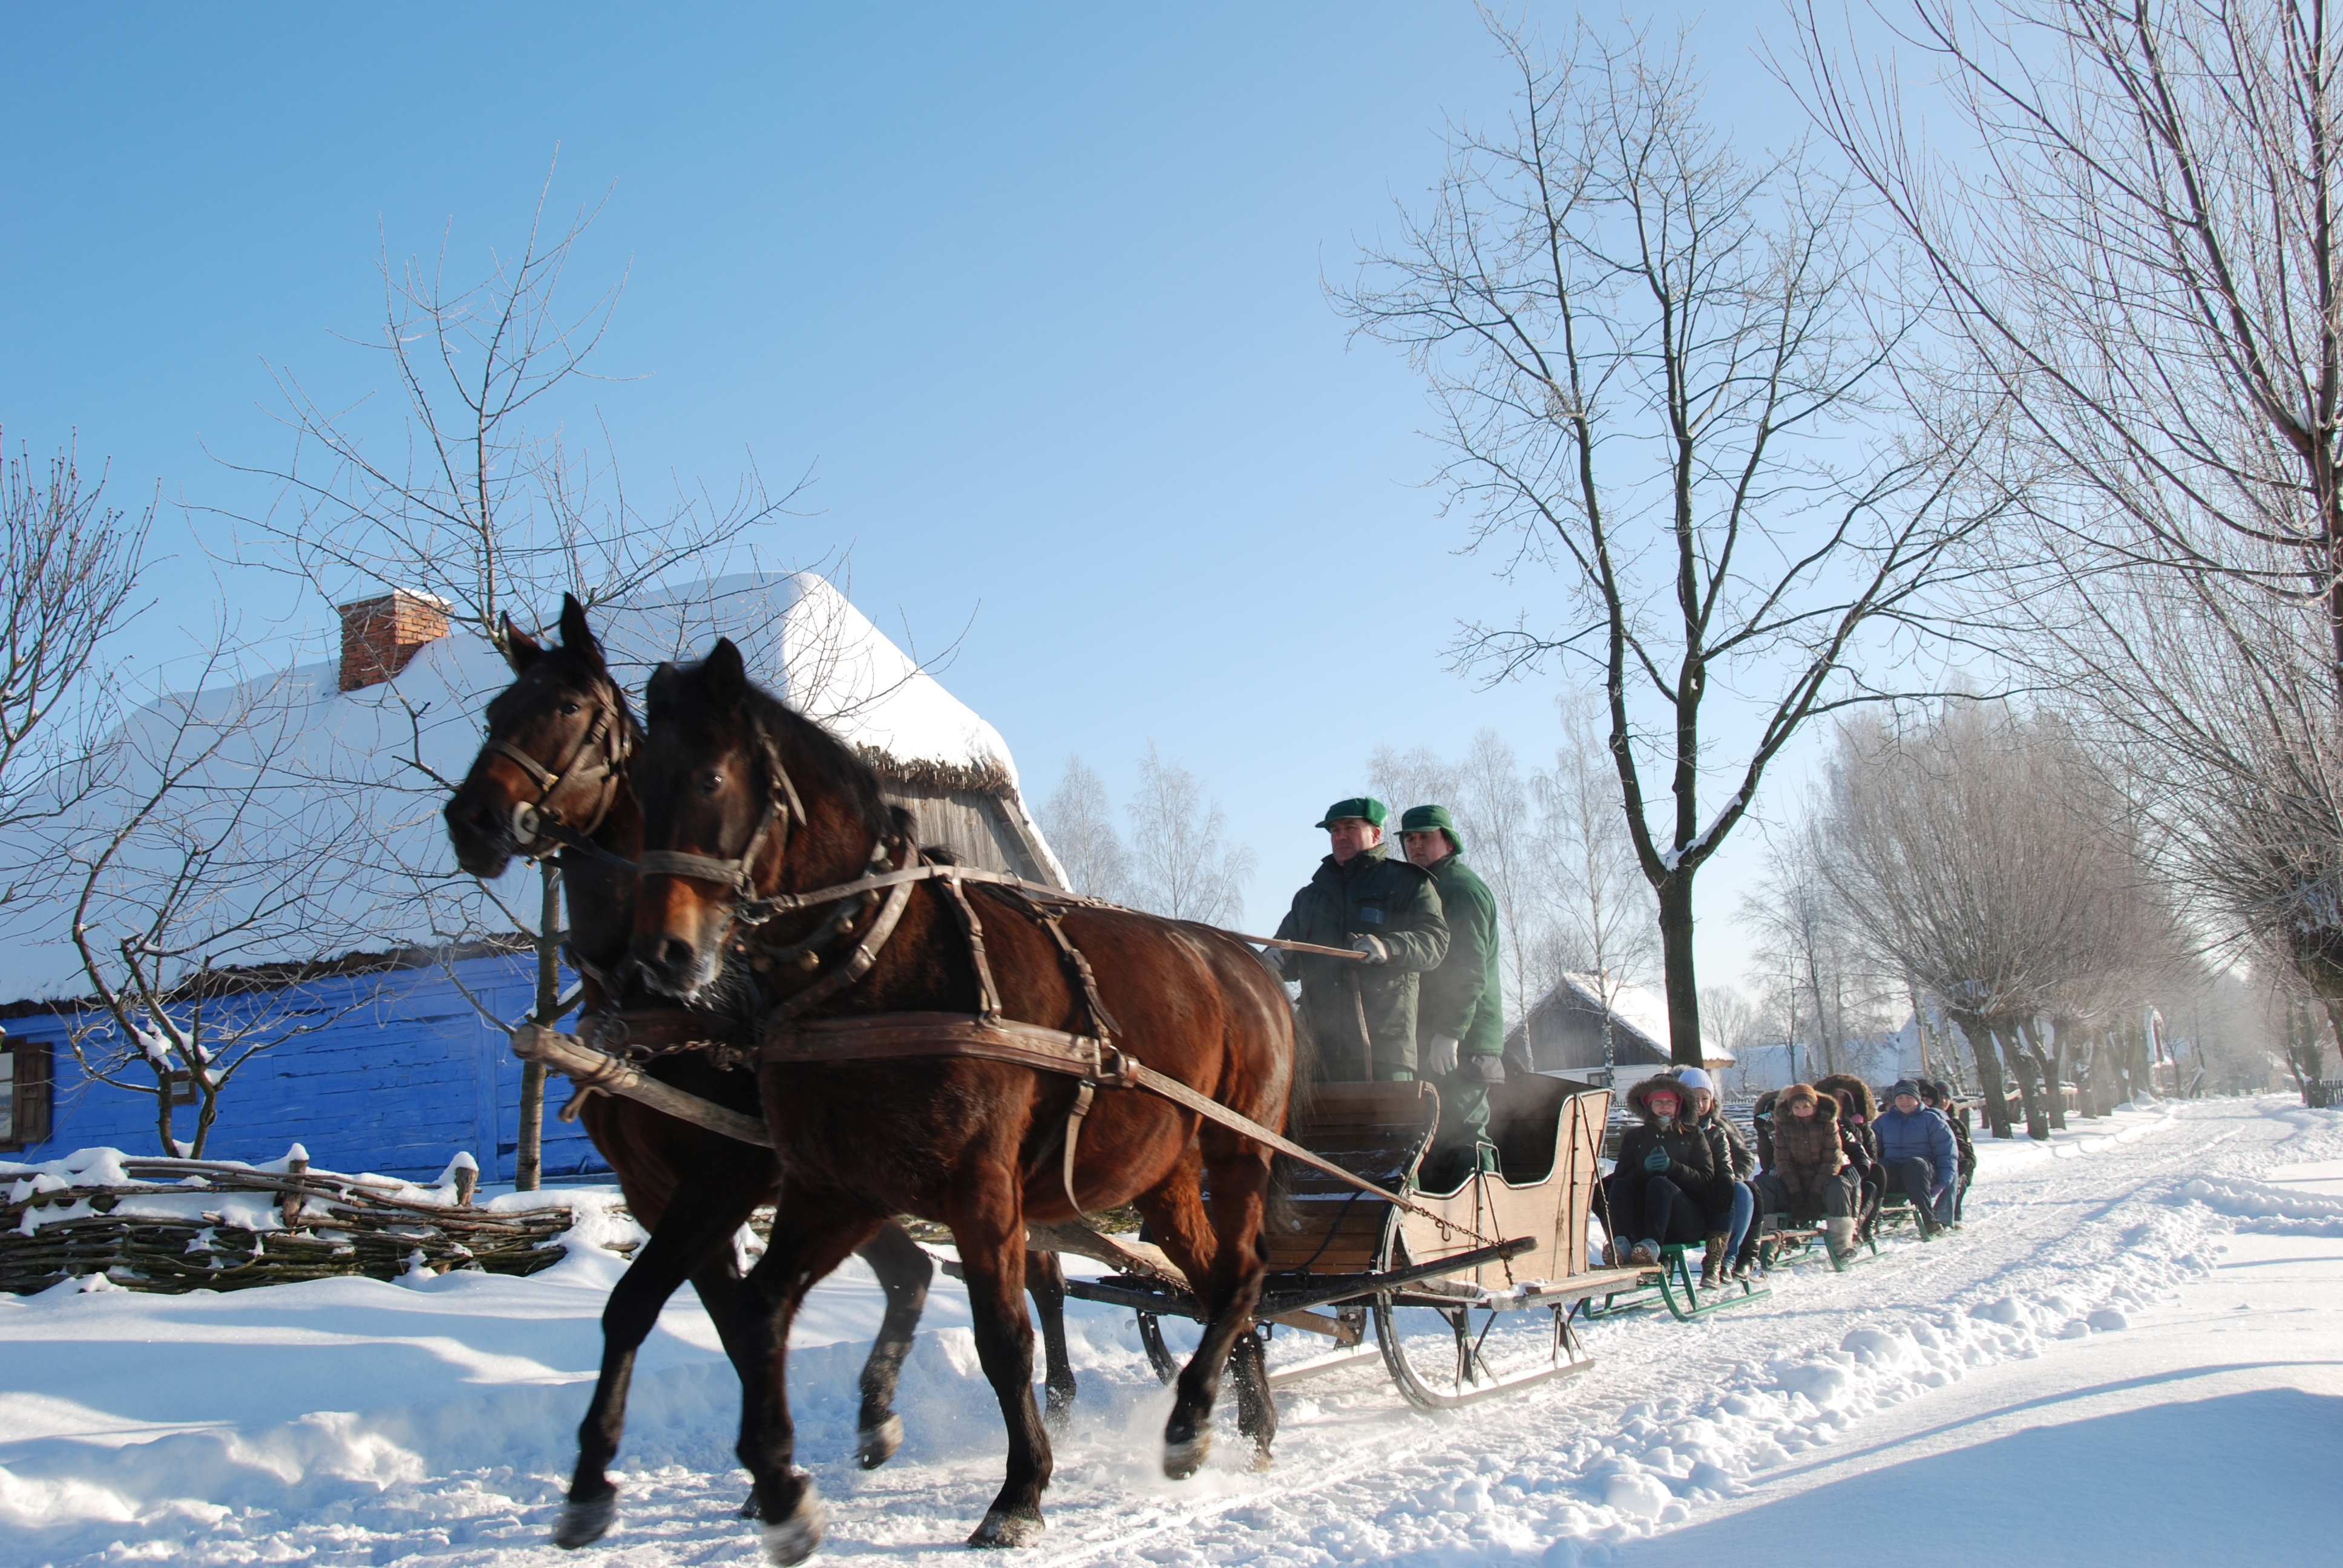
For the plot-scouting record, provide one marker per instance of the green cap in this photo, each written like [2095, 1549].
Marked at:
[1366, 807]
[1425, 819]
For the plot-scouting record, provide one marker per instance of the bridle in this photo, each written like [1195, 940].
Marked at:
[782, 812]
[539, 826]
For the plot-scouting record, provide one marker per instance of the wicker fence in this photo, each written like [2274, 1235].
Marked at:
[174, 1225]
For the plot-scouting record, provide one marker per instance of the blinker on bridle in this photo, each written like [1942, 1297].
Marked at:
[782, 810]
[537, 825]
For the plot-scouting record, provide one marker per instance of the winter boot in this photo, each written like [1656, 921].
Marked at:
[1712, 1264]
[1842, 1239]
[1645, 1254]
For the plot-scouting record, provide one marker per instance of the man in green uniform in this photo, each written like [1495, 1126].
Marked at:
[1363, 1014]
[1459, 1024]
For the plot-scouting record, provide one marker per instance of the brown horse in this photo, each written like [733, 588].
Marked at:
[743, 800]
[555, 771]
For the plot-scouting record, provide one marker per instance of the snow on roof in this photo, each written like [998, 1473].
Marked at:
[1633, 1007]
[345, 793]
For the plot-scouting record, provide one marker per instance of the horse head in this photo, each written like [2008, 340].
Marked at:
[742, 799]
[559, 740]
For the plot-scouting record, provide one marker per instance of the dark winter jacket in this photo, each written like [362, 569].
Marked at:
[1858, 1110]
[1968, 1155]
[1921, 1134]
[1733, 1152]
[1463, 998]
[1807, 1149]
[1761, 1118]
[1694, 1164]
[1372, 894]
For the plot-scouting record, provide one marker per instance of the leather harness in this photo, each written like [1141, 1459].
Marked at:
[783, 1036]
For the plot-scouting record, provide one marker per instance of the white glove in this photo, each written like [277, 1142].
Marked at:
[1439, 1056]
[1374, 947]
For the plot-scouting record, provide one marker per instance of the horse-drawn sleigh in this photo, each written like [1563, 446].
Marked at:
[788, 1001]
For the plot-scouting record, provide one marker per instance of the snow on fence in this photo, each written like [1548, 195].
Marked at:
[174, 1225]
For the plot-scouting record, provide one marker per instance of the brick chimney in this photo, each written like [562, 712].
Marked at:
[380, 635]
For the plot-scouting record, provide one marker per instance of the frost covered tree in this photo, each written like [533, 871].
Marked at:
[2130, 228]
[1180, 863]
[1598, 909]
[1079, 825]
[1997, 865]
[1671, 374]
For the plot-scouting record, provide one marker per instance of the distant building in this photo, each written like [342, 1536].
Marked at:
[410, 1072]
[1562, 1034]
[1879, 1060]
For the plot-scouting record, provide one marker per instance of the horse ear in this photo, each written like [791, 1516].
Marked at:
[725, 673]
[577, 636]
[521, 650]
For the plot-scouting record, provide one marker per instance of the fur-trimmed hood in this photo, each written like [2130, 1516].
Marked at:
[1825, 1105]
[1639, 1097]
[1852, 1094]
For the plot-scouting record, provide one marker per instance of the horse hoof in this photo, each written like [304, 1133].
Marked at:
[584, 1523]
[1003, 1528]
[1260, 1459]
[875, 1445]
[1183, 1457]
[793, 1539]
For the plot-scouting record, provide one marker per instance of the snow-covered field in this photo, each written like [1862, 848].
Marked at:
[2133, 1354]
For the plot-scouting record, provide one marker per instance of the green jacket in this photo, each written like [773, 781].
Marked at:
[1374, 895]
[1464, 996]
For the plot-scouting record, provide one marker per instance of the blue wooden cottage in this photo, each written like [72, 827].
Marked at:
[406, 1072]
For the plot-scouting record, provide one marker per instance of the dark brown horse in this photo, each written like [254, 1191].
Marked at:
[744, 799]
[555, 771]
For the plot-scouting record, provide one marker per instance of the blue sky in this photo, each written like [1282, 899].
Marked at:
[1037, 293]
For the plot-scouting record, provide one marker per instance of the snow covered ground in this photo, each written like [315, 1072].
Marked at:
[2133, 1354]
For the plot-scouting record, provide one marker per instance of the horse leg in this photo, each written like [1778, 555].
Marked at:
[809, 1240]
[1175, 1218]
[1256, 1406]
[718, 1284]
[1239, 1176]
[696, 1222]
[1045, 1282]
[904, 1272]
[986, 1223]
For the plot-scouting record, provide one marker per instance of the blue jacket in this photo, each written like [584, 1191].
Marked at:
[1923, 1134]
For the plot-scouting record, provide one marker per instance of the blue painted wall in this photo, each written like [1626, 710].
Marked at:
[409, 1075]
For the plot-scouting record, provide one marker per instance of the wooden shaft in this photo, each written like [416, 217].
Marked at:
[592, 1068]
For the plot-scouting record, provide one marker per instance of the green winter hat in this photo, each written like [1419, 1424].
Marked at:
[1366, 807]
[1425, 819]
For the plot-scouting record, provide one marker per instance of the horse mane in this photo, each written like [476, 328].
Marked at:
[831, 759]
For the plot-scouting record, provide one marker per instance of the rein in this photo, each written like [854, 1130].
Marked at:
[785, 1037]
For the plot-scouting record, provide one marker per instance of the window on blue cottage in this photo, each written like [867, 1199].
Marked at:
[24, 1092]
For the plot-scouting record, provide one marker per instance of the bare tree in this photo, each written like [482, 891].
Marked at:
[1802, 937]
[1599, 911]
[1665, 372]
[2133, 234]
[194, 857]
[1730, 1019]
[487, 501]
[1997, 868]
[69, 569]
[1418, 776]
[1079, 826]
[1180, 863]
